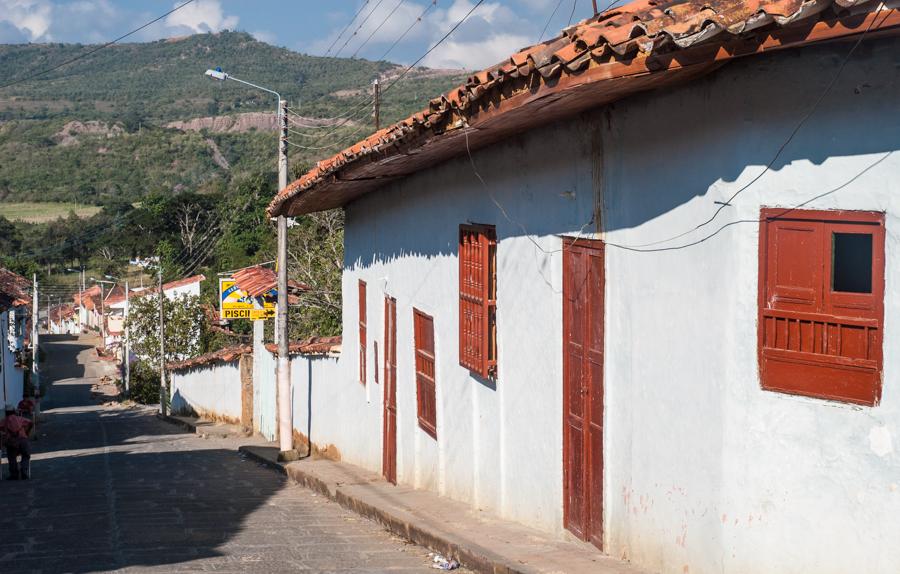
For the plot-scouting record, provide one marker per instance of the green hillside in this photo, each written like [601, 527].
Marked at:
[124, 96]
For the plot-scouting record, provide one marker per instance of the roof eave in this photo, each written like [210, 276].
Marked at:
[510, 107]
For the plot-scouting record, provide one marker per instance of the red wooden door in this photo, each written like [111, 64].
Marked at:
[389, 454]
[583, 304]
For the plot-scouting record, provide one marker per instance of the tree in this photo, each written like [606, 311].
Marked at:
[185, 327]
[316, 258]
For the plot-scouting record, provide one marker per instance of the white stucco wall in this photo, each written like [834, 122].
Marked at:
[12, 378]
[315, 394]
[213, 390]
[704, 471]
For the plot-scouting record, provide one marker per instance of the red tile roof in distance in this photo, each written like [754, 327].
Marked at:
[14, 289]
[259, 280]
[643, 45]
[311, 346]
[226, 355]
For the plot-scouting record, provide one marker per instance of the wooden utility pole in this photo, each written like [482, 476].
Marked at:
[126, 346]
[595, 7]
[376, 112]
[163, 388]
[102, 316]
[283, 366]
[35, 381]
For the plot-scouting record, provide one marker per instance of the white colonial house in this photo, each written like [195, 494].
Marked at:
[639, 285]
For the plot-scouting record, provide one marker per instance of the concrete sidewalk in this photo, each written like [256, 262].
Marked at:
[477, 539]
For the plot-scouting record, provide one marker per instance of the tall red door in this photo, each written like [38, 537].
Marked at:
[389, 428]
[583, 304]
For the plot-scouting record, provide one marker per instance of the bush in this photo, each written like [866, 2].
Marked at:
[144, 384]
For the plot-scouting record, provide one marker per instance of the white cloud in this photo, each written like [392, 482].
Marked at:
[31, 17]
[490, 34]
[201, 16]
[474, 55]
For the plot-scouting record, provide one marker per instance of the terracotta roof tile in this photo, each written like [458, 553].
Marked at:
[630, 45]
[258, 280]
[311, 346]
[13, 289]
[226, 355]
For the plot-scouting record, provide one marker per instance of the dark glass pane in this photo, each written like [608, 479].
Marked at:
[851, 262]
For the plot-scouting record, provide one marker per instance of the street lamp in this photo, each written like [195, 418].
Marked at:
[283, 368]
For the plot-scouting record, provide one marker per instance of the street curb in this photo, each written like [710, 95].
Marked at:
[198, 428]
[470, 556]
[179, 423]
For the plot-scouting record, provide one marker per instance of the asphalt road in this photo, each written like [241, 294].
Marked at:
[115, 489]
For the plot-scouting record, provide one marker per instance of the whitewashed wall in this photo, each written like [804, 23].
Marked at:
[11, 377]
[316, 394]
[704, 471]
[211, 390]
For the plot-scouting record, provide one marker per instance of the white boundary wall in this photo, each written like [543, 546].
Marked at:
[212, 390]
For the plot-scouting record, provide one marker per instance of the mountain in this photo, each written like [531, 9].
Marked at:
[134, 119]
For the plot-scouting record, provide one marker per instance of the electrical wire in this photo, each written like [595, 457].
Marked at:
[550, 19]
[783, 214]
[375, 31]
[572, 14]
[97, 49]
[768, 167]
[359, 104]
[347, 27]
[419, 60]
[358, 28]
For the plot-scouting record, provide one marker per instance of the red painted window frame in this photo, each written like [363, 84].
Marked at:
[426, 379]
[478, 299]
[800, 347]
[362, 332]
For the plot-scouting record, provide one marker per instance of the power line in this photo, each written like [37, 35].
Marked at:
[572, 14]
[550, 19]
[375, 31]
[97, 49]
[784, 145]
[416, 63]
[347, 27]
[783, 214]
[358, 28]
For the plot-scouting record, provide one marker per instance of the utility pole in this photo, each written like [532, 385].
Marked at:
[283, 372]
[48, 314]
[35, 312]
[377, 108]
[126, 347]
[595, 7]
[81, 308]
[102, 317]
[163, 389]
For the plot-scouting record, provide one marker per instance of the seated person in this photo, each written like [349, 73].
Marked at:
[14, 435]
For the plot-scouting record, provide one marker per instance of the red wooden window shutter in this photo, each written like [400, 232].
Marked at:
[362, 332]
[425, 372]
[821, 303]
[478, 299]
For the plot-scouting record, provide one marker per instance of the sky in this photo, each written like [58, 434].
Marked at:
[497, 29]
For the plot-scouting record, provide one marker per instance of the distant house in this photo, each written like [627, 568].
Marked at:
[15, 303]
[637, 284]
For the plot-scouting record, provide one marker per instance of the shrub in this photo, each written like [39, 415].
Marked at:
[144, 384]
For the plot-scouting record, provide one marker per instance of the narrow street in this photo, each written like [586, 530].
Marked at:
[115, 489]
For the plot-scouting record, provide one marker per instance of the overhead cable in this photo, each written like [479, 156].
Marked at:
[97, 49]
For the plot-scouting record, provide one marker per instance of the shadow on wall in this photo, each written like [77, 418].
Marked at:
[661, 150]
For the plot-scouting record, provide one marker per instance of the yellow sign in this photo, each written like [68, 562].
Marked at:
[237, 304]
